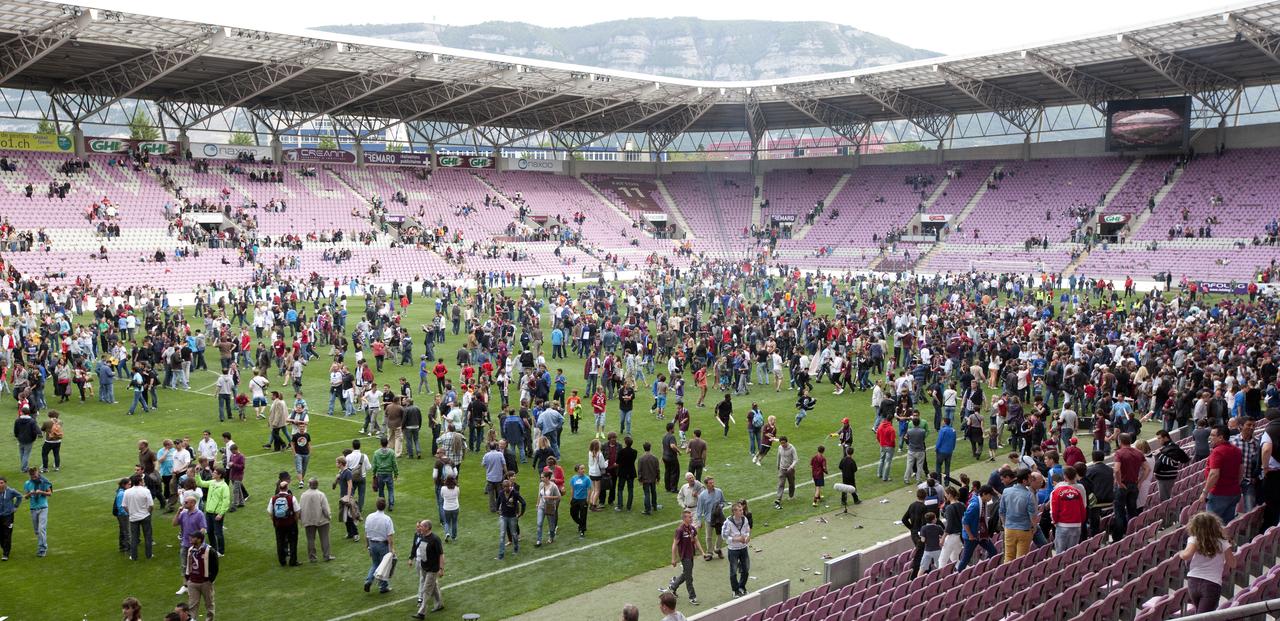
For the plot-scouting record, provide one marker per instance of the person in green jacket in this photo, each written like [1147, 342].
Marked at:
[385, 472]
[216, 504]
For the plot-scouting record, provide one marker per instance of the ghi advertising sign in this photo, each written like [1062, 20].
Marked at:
[126, 145]
[465, 161]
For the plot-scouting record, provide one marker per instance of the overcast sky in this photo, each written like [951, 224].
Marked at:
[941, 25]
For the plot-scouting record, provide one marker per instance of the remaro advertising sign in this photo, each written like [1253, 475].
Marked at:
[385, 158]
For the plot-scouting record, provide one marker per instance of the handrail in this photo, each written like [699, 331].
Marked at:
[1237, 612]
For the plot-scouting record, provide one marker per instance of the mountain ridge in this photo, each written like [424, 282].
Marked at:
[677, 47]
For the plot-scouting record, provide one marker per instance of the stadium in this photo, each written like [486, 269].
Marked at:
[1050, 272]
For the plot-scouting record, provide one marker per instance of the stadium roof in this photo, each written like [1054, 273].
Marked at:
[90, 58]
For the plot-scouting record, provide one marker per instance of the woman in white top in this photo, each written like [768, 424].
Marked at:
[1210, 554]
[449, 498]
[548, 508]
[596, 465]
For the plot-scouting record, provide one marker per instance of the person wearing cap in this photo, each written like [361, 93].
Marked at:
[200, 568]
[844, 435]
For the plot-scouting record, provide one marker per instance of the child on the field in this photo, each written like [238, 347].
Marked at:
[804, 404]
[818, 466]
[572, 409]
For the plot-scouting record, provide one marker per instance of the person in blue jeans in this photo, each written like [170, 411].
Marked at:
[1222, 481]
[974, 530]
[379, 532]
[945, 446]
[139, 392]
[511, 506]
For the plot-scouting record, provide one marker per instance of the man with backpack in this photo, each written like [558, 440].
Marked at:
[284, 508]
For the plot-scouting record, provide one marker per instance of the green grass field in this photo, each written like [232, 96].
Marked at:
[85, 577]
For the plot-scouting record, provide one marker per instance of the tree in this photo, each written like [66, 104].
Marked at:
[140, 127]
[904, 147]
[47, 127]
[242, 139]
[327, 142]
[395, 147]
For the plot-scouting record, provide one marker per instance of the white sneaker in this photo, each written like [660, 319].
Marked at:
[181, 591]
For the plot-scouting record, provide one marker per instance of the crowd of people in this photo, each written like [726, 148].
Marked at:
[1002, 361]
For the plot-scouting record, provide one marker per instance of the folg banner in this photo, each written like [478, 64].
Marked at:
[126, 145]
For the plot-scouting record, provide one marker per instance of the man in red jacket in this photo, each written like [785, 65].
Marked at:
[887, 437]
[1068, 509]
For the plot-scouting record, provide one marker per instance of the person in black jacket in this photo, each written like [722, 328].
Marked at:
[626, 473]
[1169, 459]
[26, 431]
[848, 476]
[1100, 482]
[913, 519]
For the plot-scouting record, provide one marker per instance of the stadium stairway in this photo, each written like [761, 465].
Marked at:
[673, 208]
[830, 197]
[757, 198]
[975, 199]
[1120, 183]
[1139, 220]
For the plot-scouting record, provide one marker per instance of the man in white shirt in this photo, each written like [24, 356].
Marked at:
[138, 504]
[379, 532]
[207, 448]
[257, 388]
[361, 469]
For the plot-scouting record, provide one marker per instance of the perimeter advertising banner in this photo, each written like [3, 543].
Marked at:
[125, 145]
[228, 151]
[465, 161]
[1215, 286]
[521, 163]
[387, 158]
[50, 143]
[327, 156]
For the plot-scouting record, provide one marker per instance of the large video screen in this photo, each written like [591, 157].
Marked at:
[1148, 124]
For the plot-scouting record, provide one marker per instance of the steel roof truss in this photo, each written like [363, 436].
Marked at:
[93, 92]
[756, 124]
[557, 116]
[1019, 111]
[296, 109]
[1088, 89]
[665, 132]
[1214, 90]
[25, 49]
[845, 124]
[417, 104]
[1263, 38]
[197, 103]
[932, 119]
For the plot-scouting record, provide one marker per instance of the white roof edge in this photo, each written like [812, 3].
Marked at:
[121, 6]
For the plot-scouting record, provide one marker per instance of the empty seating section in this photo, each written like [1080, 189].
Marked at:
[1015, 209]
[699, 196]
[636, 194]
[1205, 259]
[1139, 577]
[1246, 181]
[795, 192]
[959, 258]
[874, 201]
[1142, 186]
[961, 188]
